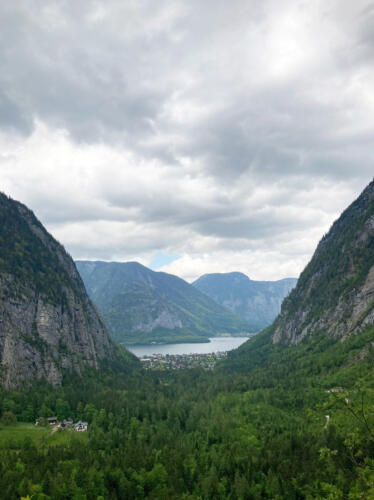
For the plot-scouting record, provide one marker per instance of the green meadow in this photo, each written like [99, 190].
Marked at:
[22, 434]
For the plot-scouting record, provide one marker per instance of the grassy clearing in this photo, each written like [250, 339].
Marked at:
[66, 436]
[15, 436]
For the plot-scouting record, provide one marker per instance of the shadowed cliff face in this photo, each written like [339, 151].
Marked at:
[47, 323]
[335, 292]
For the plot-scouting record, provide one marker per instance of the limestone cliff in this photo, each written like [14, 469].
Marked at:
[335, 292]
[47, 322]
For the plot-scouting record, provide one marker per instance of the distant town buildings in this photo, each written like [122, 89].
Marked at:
[181, 361]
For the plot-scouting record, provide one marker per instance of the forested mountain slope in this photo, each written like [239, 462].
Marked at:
[335, 292]
[258, 302]
[333, 299]
[48, 325]
[141, 305]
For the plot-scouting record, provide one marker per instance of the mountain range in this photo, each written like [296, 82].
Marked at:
[139, 305]
[49, 326]
[257, 302]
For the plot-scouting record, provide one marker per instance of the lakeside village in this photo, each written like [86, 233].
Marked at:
[65, 424]
[181, 361]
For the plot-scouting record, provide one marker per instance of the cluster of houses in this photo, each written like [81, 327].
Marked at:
[65, 424]
[181, 361]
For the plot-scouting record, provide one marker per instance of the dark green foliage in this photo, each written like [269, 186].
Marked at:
[259, 434]
[8, 418]
[25, 259]
[197, 435]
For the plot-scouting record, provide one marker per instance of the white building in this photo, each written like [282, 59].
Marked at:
[81, 426]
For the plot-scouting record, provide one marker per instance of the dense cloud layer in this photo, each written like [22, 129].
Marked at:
[228, 134]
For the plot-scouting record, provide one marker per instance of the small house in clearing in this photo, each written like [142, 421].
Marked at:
[52, 420]
[81, 426]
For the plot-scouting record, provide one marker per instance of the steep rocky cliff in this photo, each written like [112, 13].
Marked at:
[335, 292]
[258, 302]
[47, 323]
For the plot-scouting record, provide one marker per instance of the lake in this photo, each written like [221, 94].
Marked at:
[216, 344]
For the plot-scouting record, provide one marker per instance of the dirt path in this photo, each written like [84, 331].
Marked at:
[54, 429]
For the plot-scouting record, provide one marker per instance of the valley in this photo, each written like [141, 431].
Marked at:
[289, 414]
[141, 306]
[186, 250]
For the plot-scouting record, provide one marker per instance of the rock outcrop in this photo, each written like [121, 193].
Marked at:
[335, 292]
[48, 325]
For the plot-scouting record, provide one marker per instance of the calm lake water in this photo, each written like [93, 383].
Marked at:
[216, 344]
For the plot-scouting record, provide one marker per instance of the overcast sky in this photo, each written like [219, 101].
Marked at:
[192, 136]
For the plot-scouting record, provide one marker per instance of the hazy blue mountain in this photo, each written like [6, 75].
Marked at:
[140, 305]
[258, 302]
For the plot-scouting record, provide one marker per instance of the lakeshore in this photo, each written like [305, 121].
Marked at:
[216, 344]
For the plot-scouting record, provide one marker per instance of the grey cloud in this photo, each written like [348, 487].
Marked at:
[74, 76]
[112, 78]
[293, 137]
[233, 142]
[13, 117]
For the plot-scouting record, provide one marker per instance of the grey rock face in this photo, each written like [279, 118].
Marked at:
[350, 315]
[335, 293]
[163, 319]
[140, 309]
[41, 337]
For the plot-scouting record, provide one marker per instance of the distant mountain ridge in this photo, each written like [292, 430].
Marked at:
[140, 305]
[258, 302]
[48, 325]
